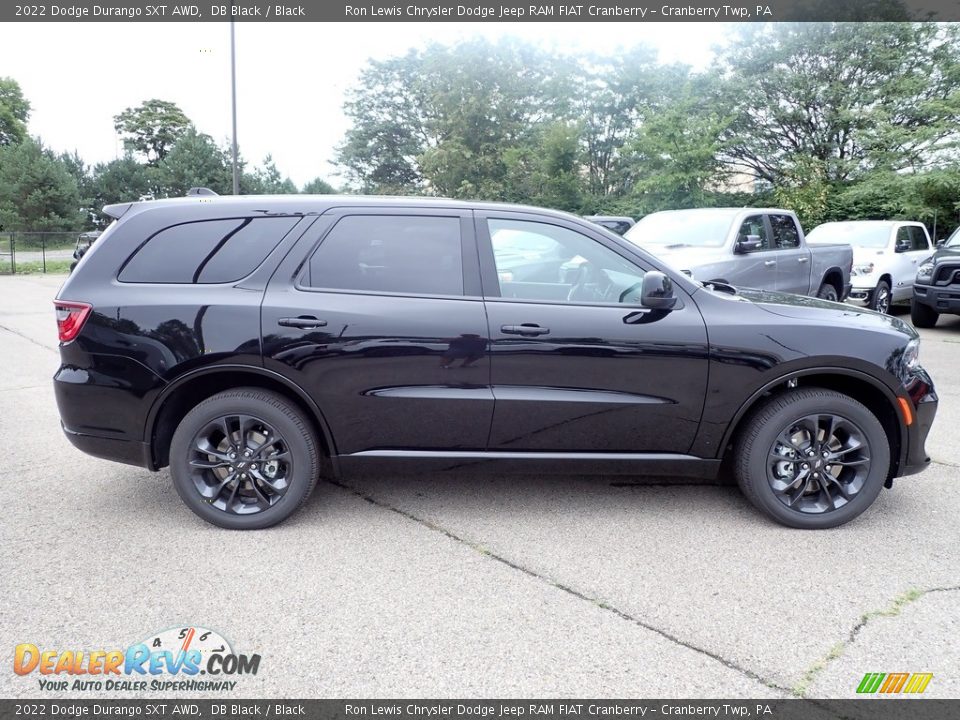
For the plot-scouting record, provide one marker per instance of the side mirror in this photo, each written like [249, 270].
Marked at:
[657, 291]
[748, 244]
[940, 243]
[901, 247]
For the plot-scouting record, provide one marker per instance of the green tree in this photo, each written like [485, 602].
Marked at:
[439, 120]
[318, 186]
[14, 112]
[267, 180]
[855, 97]
[122, 180]
[152, 128]
[37, 192]
[194, 161]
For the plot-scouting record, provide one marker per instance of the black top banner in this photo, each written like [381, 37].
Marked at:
[484, 11]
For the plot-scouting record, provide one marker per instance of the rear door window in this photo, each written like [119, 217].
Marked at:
[785, 233]
[401, 254]
[209, 251]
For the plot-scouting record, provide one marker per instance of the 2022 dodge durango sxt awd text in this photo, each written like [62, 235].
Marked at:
[255, 344]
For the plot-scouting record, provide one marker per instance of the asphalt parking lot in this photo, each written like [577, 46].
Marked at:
[476, 586]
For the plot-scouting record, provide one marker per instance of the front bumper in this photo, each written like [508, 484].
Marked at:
[945, 299]
[923, 398]
[859, 296]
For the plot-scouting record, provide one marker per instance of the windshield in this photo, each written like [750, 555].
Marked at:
[682, 228]
[857, 234]
[954, 239]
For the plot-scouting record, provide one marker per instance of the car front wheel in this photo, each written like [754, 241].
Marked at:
[880, 299]
[812, 458]
[244, 459]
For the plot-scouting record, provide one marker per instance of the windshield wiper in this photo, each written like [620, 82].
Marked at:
[675, 246]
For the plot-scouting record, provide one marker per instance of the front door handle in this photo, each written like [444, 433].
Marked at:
[527, 329]
[803, 260]
[304, 322]
[769, 263]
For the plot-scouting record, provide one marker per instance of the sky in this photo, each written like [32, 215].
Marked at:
[291, 77]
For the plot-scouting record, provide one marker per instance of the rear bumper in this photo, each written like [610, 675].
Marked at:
[924, 400]
[944, 299]
[128, 452]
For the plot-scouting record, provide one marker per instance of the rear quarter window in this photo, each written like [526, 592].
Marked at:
[207, 251]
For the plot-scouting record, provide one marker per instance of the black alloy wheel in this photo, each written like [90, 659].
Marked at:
[811, 457]
[819, 463]
[244, 459]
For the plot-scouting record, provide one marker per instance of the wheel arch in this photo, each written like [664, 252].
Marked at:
[833, 276]
[184, 393]
[860, 386]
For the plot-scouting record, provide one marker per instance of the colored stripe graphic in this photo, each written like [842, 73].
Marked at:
[870, 682]
[894, 683]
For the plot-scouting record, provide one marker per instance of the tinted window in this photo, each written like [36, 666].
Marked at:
[919, 238]
[785, 233]
[904, 242]
[754, 225]
[538, 261]
[385, 253]
[210, 251]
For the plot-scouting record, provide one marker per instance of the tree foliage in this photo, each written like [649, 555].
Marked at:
[152, 128]
[37, 192]
[14, 112]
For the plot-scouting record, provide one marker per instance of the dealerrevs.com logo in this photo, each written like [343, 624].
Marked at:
[178, 659]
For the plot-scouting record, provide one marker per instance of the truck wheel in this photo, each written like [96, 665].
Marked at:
[827, 292]
[923, 316]
[812, 458]
[880, 298]
[244, 459]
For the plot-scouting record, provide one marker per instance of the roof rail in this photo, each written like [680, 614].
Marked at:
[200, 191]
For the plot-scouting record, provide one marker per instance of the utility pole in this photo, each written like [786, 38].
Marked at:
[233, 87]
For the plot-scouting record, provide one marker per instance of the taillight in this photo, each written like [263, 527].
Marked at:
[70, 318]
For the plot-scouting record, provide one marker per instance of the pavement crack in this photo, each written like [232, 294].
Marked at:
[597, 602]
[28, 339]
[892, 610]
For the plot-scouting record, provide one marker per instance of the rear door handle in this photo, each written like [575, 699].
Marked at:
[769, 263]
[304, 322]
[527, 329]
[803, 260]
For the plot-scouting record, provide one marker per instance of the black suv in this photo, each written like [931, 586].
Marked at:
[937, 287]
[254, 344]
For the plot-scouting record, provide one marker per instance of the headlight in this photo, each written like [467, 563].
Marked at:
[925, 272]
[911, 354]
[862, 269]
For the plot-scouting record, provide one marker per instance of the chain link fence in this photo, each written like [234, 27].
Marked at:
[37, 252]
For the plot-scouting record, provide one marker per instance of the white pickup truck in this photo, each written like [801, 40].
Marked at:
[750, 247]
[886, 255]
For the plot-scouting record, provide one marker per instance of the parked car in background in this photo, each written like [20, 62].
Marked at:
[255, 343]
[936, 289]
[747, 247]
[84, 242]
[886, 255]
[616, 223]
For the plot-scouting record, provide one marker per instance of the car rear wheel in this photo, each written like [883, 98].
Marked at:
[827, 292]
[244, 459]
[923, 316]
[812, 458]
[880, 299]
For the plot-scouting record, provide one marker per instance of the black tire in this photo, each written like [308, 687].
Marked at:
[923, 316]
[827, 292]
[880, 298]
[757, 469]
[279, 475]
